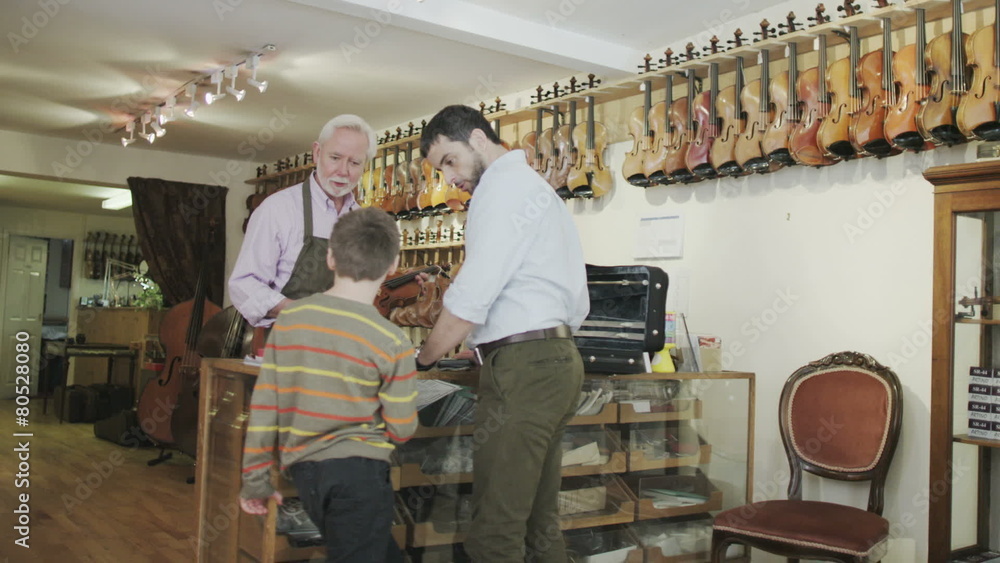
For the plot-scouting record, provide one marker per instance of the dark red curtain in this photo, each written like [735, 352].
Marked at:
[180, 226]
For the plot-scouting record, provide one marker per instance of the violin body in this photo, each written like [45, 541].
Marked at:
[417, 183]
[429, 176]
[590, 172]
[633, 169]
[385, 194]
[652, 164]
[834, 132]
[674, 162]
[749, 153]
[529, 145]
[567, 156]
[697, 158]
[398, 205]
[867, 128]
[439, 194]
[936, 117]
[775, 142]
[546, 156]
[723, 153]
[978, 111]
[803, 139]
[901, 118]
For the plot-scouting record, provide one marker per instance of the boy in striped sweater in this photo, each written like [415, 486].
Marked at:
[336, 390]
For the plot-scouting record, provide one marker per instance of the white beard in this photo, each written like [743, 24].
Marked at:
[333, 191]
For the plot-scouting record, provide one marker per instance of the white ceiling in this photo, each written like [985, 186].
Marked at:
[96, 64]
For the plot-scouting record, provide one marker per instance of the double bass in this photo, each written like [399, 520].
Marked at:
[174, 392]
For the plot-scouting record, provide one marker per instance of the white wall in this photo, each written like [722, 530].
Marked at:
[794, 265]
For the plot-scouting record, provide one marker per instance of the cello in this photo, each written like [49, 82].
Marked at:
[909, 75]
[979, 111]
[946, 63]
[175, 390]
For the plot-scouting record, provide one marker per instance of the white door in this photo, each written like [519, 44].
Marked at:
[23, 305]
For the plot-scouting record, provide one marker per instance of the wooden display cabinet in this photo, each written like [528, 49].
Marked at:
[716, 409]
[964, 429]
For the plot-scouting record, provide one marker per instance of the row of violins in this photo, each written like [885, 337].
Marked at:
[568, 157]
[411, 188]
[878, 104]
[99, 247]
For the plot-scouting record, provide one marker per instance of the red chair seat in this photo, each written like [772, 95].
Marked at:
[810, 524]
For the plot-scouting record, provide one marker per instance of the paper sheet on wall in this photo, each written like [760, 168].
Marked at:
[659, 237]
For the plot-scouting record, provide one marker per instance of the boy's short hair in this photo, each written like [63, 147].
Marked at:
[364, 244]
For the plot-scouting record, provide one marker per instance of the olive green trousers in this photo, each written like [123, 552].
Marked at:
[527, 393]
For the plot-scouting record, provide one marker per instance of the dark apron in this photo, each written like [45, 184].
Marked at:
[310, 274]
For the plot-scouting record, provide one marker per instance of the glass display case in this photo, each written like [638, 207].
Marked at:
[965, 394]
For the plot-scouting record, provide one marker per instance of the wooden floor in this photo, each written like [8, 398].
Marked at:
[84, 507]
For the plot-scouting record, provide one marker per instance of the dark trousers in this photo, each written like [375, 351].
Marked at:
[527, 393]
[350, 500]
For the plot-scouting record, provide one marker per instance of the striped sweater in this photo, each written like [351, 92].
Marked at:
[337, 380]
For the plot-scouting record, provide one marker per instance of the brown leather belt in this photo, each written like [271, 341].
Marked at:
[483, 350]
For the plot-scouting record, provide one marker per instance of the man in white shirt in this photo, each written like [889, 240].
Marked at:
[518, 297]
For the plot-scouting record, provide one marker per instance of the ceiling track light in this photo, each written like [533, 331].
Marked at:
[231, 73]
[165, 112]
[130, 129]
[216, 79]
[252, 63]
[150, 137]
[191, 91]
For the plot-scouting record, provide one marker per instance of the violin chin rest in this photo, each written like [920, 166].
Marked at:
[782, 157]
[989, 131]
[731, 168]
[706, 171]
[910, 140]
[948, 134]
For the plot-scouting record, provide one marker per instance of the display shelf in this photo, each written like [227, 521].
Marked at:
[684, 409]
[966, 439]
[637, 460]
[429, 533]
[617, 462]
[644, 506]
[619, 509]
[607, 415]
[411, 475]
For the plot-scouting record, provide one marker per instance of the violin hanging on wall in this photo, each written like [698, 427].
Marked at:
[730, 110]
[590, 177]
[660, 130]
[909, 76]
[979, 111]
[811, 94]
[946, 63]
[874, 78]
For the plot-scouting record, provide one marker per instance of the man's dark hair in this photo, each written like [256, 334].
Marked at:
[456, 123]
[364, 244]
